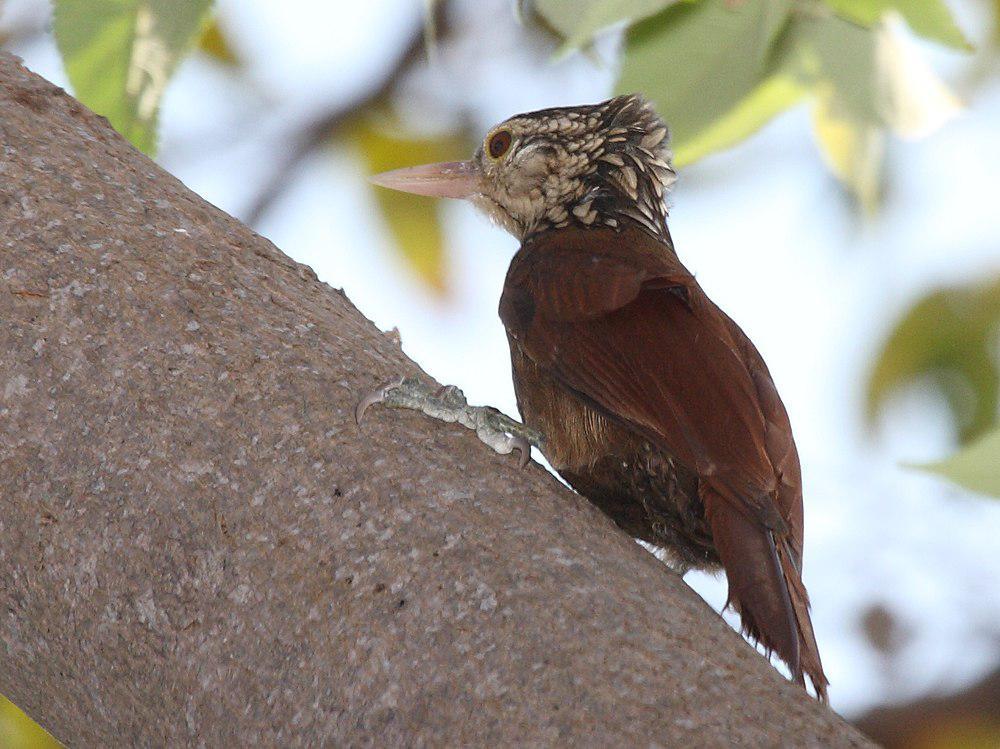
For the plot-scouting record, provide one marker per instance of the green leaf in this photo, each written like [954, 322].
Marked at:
[699, 61]
[976, 466]
[841, 58]
[414, 221]
[579, 20]
[770, 98]
[949, 339]
[120, 55]
[928, 18]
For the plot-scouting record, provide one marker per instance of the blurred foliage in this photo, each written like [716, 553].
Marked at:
[928, 18]
[718, 70]
[579, 20]
[698, 61]
[213, 42]
[120, 54]
[414, 221]
[852, 149]
[949, 339]
[769, 98]
[841, 62]
[18, 731]
[976, 466]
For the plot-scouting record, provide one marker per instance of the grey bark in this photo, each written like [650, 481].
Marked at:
[198, 546]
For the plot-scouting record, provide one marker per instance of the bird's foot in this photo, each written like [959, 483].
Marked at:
[497, 430]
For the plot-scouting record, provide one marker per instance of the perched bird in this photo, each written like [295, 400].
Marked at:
[650, 401]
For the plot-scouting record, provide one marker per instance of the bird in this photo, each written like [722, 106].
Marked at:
[644, 395]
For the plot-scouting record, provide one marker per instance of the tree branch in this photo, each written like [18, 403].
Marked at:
[199, 546]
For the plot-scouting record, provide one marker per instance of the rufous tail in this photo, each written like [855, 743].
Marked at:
[765, 586]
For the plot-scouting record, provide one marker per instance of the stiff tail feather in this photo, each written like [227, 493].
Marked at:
[809, 660]
[766, 588]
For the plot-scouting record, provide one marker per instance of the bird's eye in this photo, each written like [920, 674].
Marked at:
[498, 144]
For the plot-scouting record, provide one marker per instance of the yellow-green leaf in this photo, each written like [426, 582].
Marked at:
[948, 339]
[699, 61]
[18, 731]
[414, 221]
[213, 42]
[120, 55]
[852, 148]
[928, 18]
[976, 466]
[770, 98]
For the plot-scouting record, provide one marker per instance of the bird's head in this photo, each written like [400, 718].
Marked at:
[599, 165]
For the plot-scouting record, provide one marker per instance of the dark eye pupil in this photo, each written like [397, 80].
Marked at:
[499, 144]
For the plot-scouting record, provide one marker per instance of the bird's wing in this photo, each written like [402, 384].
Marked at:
[630, 329]
[617, 319]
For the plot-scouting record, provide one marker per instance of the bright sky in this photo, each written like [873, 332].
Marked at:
[765, 229]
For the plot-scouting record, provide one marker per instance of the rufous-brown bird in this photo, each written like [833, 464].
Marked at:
[650, 400]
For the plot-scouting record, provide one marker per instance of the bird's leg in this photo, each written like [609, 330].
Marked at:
[448, 403]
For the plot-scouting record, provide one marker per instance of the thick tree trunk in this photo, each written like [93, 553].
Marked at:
[199, 546]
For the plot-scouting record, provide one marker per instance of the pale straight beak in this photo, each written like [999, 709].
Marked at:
[449, 179]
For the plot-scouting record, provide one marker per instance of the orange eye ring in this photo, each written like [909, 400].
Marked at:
[498, 144]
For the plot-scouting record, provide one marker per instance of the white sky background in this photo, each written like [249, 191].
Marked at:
[765, 229]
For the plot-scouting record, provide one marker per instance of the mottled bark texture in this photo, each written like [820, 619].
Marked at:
[198, 545]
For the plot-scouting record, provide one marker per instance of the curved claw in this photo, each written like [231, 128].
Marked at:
[524, 448]
[377, 395]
